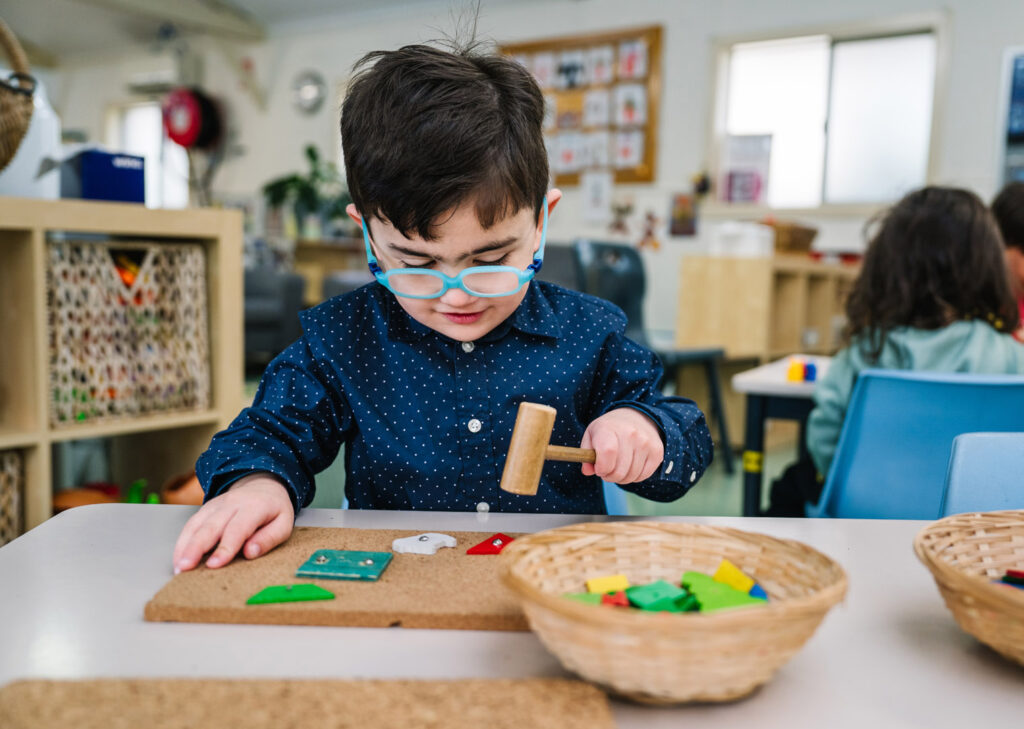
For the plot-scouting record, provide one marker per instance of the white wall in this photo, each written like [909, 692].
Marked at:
[273, 140]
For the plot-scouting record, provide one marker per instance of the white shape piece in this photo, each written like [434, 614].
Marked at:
[427, 543]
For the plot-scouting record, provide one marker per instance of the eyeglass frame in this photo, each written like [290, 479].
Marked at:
[457, 281]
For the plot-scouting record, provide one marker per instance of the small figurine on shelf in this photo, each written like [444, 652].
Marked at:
[620, 211]
[647, 238]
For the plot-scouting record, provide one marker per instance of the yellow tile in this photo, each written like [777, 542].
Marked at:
[733, 576]
[608, 583]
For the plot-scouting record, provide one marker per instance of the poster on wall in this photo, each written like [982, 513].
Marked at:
[601, 101]
[597, 187]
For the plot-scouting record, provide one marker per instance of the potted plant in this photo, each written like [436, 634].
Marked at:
[317, 198]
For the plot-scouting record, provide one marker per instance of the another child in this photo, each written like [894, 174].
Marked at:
[1008, 207]
[420, 374]
[933, 295]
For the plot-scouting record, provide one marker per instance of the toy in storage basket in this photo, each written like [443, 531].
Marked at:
[667, 658]
[11, 480]
[965, 553]
[126, 338]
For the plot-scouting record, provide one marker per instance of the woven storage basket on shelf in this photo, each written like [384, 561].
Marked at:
[11, 480]
[16, 102]
[965, 553]
[670, 658]
[119, 350]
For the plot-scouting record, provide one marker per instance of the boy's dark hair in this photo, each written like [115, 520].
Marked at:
[1008, 207]
[424, 130]
[937, 258]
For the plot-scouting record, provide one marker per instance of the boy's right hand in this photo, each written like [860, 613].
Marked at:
[254, 516]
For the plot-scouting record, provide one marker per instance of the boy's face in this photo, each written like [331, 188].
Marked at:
[461, 242]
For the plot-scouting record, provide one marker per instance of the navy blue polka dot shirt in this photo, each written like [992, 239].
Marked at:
[426, 420]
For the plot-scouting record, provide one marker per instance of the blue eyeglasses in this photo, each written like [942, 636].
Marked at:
[485, 281]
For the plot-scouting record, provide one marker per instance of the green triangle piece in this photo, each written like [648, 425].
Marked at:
[713, 595]
[590, 598]
[289, 593]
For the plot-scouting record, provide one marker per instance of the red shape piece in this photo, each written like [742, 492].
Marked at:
[1015, 573]
[492, 545]
[618, 599]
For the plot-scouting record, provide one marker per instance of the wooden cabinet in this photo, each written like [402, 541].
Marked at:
[762, 308]
[315, 259]
[155, 446]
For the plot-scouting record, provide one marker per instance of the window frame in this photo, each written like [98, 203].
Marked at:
[936, 23]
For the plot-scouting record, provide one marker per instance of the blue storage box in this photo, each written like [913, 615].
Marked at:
[97, 175]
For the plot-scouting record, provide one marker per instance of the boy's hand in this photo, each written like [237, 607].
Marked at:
[256, 512]
[628, 446]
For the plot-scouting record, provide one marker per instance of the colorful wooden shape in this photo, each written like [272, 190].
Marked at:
[733, 576]
[758, 591]
[1007, 584]
[343, 564]
[658, 596]
[289, 593]
[1015, 573]
[1013, 580]
[492, 545]
[714, 595]
[616, 599]
[427, 543]
[795, 371]
[810, 372]
[589, 598]
[608, 583]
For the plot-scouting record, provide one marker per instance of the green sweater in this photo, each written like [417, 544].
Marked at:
[964, 346]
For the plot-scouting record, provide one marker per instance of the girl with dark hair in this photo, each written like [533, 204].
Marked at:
[933, 294]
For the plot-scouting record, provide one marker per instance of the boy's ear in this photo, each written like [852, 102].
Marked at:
[554, 195]
[354, 214]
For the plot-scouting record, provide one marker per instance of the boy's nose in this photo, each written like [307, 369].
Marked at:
[456, 297]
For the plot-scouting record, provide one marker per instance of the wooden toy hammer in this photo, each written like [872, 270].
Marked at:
[529, 448]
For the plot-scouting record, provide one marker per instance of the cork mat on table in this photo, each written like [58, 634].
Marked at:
[333, 704]
[447, 590]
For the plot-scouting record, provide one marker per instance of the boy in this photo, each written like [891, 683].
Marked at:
[420, 374]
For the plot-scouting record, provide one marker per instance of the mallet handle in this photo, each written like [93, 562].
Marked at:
[567, 453]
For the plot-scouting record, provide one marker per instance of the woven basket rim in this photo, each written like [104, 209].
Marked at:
[819, 601]
[955, 578]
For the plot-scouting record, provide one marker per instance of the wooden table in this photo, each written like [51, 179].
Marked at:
[890, 656]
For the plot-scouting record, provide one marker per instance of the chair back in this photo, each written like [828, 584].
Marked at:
[560, 266]
[615, 273]
[986, 473]
[897, 435]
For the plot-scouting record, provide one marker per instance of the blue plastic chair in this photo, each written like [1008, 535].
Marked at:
[615, 501]
[897, 435]
[986, 473]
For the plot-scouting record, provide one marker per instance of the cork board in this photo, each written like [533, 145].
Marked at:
[245, 704]
[447, 590]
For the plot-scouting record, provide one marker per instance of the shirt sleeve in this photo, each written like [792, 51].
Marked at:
[292, 430]
[831, 399]
[628, 378]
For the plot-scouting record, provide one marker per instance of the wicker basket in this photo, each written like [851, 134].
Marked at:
[120, 350]
[667, 658]
[16, 102]
[965, 553]
[11, 480]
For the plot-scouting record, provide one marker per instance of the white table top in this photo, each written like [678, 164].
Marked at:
[72, 593]
[770, 379]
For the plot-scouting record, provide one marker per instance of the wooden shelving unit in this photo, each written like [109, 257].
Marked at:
[154, 447]
[762, 308]
[758, 310]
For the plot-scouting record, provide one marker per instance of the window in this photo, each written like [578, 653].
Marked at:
[818, 119]
[138, 129]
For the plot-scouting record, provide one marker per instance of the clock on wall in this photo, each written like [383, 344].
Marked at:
[308, 92]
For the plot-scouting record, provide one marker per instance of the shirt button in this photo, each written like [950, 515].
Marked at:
[474, 426]
[693, 476]
[468, 347]
[483, 507]
[668, 468]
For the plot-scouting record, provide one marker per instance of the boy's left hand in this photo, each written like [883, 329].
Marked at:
[628, 446]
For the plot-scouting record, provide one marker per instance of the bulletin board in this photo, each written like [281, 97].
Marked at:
[602, 93]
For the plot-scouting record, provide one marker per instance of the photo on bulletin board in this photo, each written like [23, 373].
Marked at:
[683, 215]
[602, 98]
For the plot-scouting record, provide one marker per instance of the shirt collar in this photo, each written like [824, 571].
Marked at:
[533, 316]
